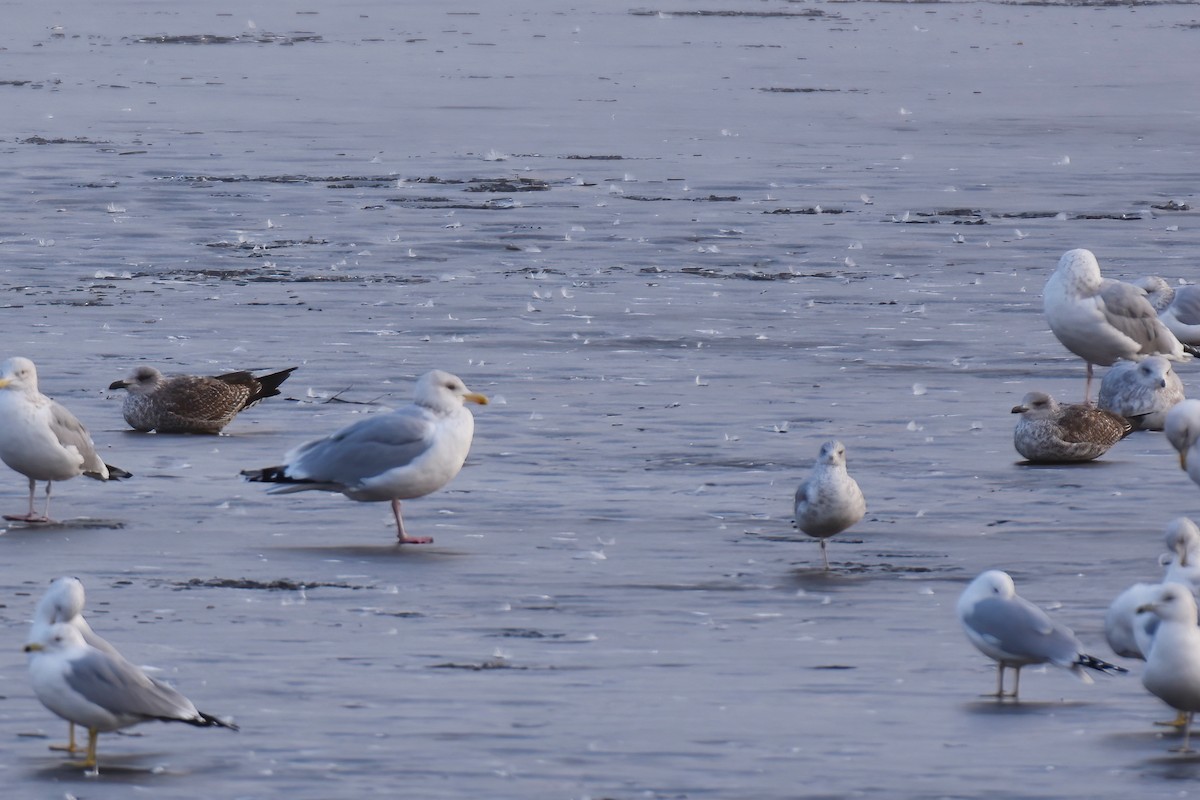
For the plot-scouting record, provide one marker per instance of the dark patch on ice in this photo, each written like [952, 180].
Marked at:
[272, 245]
[278, 585]
[491, 663]
[245, 38]
[73, 140]
[593, 158]
[809, 13]
[527, 633]
[808, 210]
[1171, 205]
[806, 90]
[79, 523]
[518, 185]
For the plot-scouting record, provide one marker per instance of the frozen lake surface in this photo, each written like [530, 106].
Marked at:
[679, 251]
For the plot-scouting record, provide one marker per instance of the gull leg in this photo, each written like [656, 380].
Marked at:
[89, 761]
[1016, 682]
[1187, 736]
[1181, 719]
[824, 555]
[70, 746]
[1087, 387]
[32, 516]
[999, 693]
[401, 536]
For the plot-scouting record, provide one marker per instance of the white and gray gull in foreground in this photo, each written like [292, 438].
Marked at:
[1014, 632]
[1141, 391]
[1103, 320]
[41, 439]
[829, 500]
[1172, 671]
[102, 691]
[1051, 433]
[192, 403]
[394, 456]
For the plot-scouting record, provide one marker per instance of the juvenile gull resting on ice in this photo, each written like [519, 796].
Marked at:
[400, 455]
[42, 440]
[1183, 430]
[1141, 391]
[1103, 320]
[1050, 433]
[829, 500]
[102, 691]
[192, 403]
[1013, 632]
[63, 603]
[1173, 665]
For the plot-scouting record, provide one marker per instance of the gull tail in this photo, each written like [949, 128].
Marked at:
[114, 474]
[1191, 350]
[260, 387]
[202, 720]
[1091, 662]
[279, 474]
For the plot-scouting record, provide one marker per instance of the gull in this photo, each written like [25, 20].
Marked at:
[42, 440]
[1183, 562]
[192, 403]
[1173, 665]
[1141, 391]
[1183, 430]
[1051, 433]
[1013, 632]
[829, 500]
[1103, 320]
[63, 603]
[102, 691]
[1182, 315]
[399, 455]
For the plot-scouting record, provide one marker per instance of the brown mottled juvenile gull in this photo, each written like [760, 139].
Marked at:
[1103, 320]
[42, 440]
[1014, 632]
[399, 455]
[1183, 431]
[192, 403]
[63, 603]
[829, 500]
[1172, 671]
[1051, 433]
[102, 691]
[1141, 391]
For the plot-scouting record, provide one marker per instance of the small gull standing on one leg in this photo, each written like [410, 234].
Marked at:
[1141, 391]
[102, 691]
[192, 403]
[41, 439]
[1051, 433]
[1014, 632]
[1172, 671]
[1103, 320]
[400, 455]
[829, 500]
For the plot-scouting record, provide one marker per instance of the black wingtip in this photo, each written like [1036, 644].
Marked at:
[268, 475]
[1100, 665]
[1191, 350]
[116, 473]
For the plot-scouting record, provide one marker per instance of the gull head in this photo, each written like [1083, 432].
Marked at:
[55, 639]
[1036, 405]
[18, 373]
[1182, 428]
[142, 380]
[443, 391]
[992, 583]
[1173, 603]
[62, 602]
[833, 453]
[1182, 538]
[1080, 268]
[1153, 371]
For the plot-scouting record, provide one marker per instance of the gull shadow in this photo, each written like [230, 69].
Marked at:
[1009, 707]
[120, 768]
[77, 524]
[386, 552]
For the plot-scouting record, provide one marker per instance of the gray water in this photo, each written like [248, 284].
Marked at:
[679, 251]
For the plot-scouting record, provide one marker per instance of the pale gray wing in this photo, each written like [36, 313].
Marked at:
[1018, 627]
[365, 449]
[1127, 309]
[1186, 305]
[71, 433]
[114, 684]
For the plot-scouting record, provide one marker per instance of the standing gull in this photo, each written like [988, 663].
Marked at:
[1051, 433]
[1141, 391]
[1014, 632]
[102, 691]
[1173, 665]
[400, 455]
[192, 403]
[42, 440]
[1102, 320]
[1183, 431]
[63, 603]
[829, 500]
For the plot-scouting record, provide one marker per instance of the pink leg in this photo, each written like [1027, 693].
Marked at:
[32, 516]
[401, 536]
[1087, 387]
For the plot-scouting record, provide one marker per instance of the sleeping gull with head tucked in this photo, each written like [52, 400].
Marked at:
[829, 500]
[1103, 320]
[1013, 632]
[102, 691]
[192, 403]
[1141, 391]
[1183, 431]
[399, 455]
[42, 440]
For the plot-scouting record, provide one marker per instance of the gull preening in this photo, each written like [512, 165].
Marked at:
[399, 455]
[1141, 391]
[41, 439]
[1103, 320]
[192, 403]
[1014, 632]
[1173, 664]
[1183, 430]
[1051, 433]
[101, 691]
[829, 500]
[63, 604]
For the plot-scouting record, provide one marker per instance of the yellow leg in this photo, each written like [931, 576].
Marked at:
[1179, 721]
[70, 746]
[89, 761]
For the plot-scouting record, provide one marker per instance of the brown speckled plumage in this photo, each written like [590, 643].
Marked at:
[1049, 432]
[192, 403]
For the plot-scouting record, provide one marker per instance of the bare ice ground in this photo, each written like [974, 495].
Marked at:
[679, 250]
